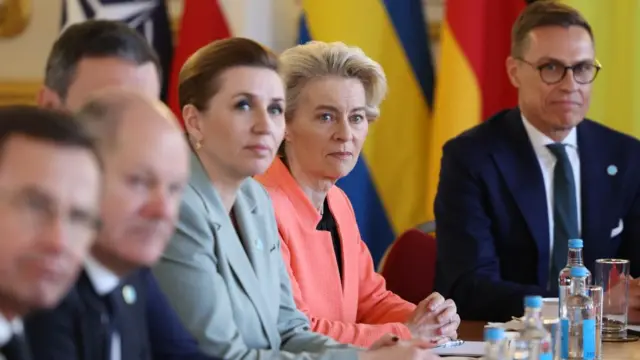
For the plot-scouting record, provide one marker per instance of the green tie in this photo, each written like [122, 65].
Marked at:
[565, 210]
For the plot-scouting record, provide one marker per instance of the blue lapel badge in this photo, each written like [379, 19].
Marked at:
[129, 294]
[612, 170]
[258, 244]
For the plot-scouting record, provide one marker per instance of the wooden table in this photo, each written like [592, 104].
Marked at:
[472, 331]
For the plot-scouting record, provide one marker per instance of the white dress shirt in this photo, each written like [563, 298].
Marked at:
[547, 161]
[9, 328]
[104, 281]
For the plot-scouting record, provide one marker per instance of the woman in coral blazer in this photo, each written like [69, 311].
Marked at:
[333, 92]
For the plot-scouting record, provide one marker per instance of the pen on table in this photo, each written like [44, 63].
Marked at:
[450, 344]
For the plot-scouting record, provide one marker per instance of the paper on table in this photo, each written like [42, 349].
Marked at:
[511, 325]
[469, 348]
[634, 327]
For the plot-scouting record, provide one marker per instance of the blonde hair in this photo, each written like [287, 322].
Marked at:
[317, 59]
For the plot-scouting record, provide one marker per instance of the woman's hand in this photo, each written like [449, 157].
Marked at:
[435, 319]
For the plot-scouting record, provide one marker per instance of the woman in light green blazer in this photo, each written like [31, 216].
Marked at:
[223, 271]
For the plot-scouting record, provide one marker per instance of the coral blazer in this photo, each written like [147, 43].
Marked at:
[357, 309]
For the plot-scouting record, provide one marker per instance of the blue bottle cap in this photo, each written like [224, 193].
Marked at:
[533, 301]
[579, 271]
[493, 333]
[575, 243]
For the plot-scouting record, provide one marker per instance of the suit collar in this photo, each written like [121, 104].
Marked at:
[539, 141]
[101, 278]
[9, 328]
[201, 182]
[518, 164]
[244, 249]
[597, 185]
[278, 176]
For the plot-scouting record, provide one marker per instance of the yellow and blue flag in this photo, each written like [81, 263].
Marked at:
[617, 37]
[388, 186]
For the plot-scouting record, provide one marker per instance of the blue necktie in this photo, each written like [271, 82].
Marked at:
[565, 210]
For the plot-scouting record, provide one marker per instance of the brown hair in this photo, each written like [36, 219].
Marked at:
[94, 39]
[544, 13]
[198, 79]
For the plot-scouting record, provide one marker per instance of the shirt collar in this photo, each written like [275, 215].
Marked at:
[8, 328]
[539, 141]
[103, 280]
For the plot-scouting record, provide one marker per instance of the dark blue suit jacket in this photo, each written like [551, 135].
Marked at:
[72, 331]
[491, 213]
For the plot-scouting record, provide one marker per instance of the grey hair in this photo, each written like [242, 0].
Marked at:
[316, 59]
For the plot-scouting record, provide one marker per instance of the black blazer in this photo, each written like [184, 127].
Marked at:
[491, 213]
[73, 330]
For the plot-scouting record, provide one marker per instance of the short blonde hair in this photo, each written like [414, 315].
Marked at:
[317, 59]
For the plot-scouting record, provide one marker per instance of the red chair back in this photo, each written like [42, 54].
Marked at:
[409, 266]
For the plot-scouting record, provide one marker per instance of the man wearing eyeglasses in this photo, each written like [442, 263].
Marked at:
[49, 205]
[516, 188]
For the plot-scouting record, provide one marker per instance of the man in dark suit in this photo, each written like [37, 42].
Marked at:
[49, 205]
[86, 58]
[516, 188]
[108, 314]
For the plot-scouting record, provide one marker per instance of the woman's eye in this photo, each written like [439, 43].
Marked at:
[275, 110]
[243, 105]
[357, 118]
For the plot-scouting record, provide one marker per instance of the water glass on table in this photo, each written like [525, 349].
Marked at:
[613, 276]
[596, 294]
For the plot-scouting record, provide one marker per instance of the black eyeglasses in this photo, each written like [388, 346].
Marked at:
[553, 72]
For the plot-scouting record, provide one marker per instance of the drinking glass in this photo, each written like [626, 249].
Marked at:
[613, 276]
[596, 295]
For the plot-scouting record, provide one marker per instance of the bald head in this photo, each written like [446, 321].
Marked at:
[104, 114]
[146, 167]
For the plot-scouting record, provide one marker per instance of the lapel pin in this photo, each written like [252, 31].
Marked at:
[612, 170]
[258, 244]
[129, 294]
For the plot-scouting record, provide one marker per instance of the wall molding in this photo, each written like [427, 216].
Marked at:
[13, 92]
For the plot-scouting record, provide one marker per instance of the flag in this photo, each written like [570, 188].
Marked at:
[202, 22]
[617, 37]
[387, 186]
[272, 23]
[472, 79]
[149, 17]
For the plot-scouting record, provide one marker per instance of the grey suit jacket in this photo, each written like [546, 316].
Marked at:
[233, 293]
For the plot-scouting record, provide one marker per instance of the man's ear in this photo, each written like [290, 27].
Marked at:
[49, 99]
[512, 71]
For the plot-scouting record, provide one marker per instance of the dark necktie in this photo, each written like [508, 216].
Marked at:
[16, 348]
[565, 210]
[112, 305]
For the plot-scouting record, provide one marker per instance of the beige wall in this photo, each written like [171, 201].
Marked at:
[23, 57]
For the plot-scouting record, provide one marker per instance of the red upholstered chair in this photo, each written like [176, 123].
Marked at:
[409, 265]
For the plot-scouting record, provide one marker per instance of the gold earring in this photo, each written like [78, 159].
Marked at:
[198, 145]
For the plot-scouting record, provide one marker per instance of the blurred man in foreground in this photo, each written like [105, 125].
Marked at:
[49, 204]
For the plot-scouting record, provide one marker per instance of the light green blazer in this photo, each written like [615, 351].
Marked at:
[233, 293]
